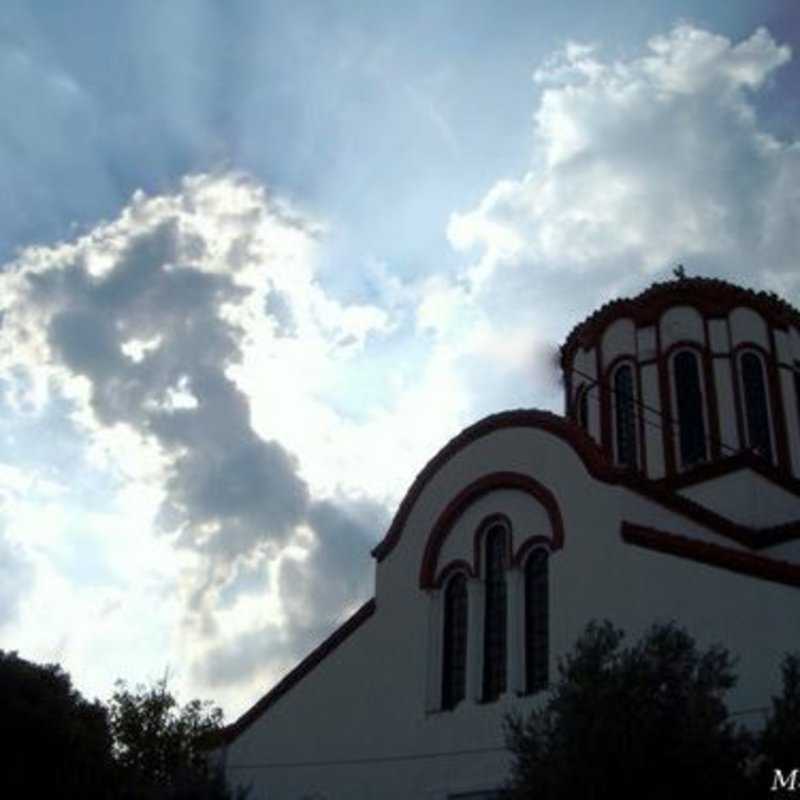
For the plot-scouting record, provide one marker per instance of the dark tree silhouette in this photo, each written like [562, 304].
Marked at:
[779, 744]
[55, 743]
[158, 744]
[649, 720]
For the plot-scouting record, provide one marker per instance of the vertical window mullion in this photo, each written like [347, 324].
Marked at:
[583, 408]
[625, 416]
[454, 652]
[689, 401]
[536, 622]
[755, 403]
[494, 635]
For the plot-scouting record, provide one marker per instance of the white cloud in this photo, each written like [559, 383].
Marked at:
[641, 163]
[266, 426]
[148, 327]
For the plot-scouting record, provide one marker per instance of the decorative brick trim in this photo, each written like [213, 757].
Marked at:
[712, 554]
[710, 296]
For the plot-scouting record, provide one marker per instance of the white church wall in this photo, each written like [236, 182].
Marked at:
[794, 343]
[646, 343]
[367, 720]
[726, 405]
[368, 700]
[619, 339]
[748, 327]
[680, 324]
[719, 339]
[747, 498]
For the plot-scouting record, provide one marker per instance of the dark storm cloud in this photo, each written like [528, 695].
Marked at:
[226, 487]
[335, 575]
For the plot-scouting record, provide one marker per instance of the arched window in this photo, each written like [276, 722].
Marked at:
[494, 629]
[624, 416]
[689, 402]
[797, 387]
[582, 407]
[755, 404]
[536, 622]
[454, 660]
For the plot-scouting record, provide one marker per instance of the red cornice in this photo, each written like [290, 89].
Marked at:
[744, 459]
[662, 492]
[235, 729]
[710, 296]
[712, 554]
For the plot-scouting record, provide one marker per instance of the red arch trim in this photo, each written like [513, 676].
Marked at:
[454, 567]
[467, 496]
[580, 441]
[661, 492]
[515, 559]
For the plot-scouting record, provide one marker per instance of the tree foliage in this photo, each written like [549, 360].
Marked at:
[650, 719]
[157, 744]
[143, 746]
[780, 740]
[56, 743]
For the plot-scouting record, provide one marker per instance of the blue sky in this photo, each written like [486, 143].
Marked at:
[262, 260]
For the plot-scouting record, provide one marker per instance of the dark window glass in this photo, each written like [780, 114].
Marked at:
[691, 427]
[494, 631]
[625, 416]
[536, 622]
[755, 403]
[797, 387]
[583, 408]
[454, 666]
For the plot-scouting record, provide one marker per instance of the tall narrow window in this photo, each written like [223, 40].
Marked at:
[689, 401]
[536, 622]
[454, 661]
[797, 387]
[755, 404]
[625, 417]
[582, 408]
[494, 631]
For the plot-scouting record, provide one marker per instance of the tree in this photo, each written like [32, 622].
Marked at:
[779, 743]
[650, 719]
[157, 744]
[55, 743]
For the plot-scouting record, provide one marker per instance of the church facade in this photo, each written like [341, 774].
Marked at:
[669, 490]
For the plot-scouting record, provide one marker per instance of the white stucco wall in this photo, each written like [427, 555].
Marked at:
[361, 721]
[681, 323]
[747, 498]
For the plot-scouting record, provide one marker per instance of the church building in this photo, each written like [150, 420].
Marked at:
[668, 490]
